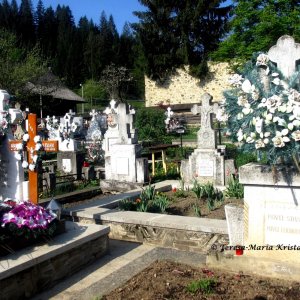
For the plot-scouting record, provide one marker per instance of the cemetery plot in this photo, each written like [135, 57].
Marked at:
[169, 280]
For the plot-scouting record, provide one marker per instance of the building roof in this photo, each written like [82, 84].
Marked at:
[50, 85]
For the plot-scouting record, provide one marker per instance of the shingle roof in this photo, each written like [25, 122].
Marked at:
[50, 85]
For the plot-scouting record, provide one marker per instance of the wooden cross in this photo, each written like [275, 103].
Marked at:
[206, 135]
[285, 54]
[48, 146]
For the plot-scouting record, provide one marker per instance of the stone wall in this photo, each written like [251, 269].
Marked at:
[182, 88]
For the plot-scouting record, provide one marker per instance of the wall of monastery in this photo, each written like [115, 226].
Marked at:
[182, 88]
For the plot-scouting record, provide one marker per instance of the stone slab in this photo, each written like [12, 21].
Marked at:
[76, 235]
[258, 174]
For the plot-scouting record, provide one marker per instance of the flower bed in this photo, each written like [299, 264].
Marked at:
[23, 224]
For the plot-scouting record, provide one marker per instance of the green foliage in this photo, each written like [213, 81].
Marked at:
[150, 123]
[127, 204]
[160, 203]
[197, 189]
[197, 210]
[205, 285]
[244, 158]
[256, 25]
[231, 150]
[148, 193]
[210, 204]
[16, 66]
[148, 201]
[234, 188]
[92, 90]
[182, 34]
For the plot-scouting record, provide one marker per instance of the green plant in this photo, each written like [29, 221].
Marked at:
[142, 205]
[197, 210]
[234, 188]
[160, 203]
[208, 190]
[211, 203]
[197, 189]
[127, 204]
[148, 193]
[206, 285]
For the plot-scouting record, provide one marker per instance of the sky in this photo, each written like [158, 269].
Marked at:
[121, 10]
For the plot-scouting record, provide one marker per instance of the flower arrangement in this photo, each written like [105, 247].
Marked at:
[33, 152]
[262, 111]
[25, 219]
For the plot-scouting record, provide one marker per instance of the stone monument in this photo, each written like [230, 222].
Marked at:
[206, 163]
[70, 158]
[11, 171]
[272, 216]
[124, 167]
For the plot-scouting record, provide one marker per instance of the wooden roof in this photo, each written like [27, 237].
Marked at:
[50, 85]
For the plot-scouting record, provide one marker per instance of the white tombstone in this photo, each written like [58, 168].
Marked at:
[12, 174]
[122, 152]
[206, 164]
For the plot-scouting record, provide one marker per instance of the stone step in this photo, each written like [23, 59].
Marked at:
[36, 268]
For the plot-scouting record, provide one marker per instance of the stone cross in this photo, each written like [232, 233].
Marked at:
[206, 135]
[285, 54]
[126, 130]
[93, 113]
[169, 112]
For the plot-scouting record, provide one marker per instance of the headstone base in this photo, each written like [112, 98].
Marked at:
[271, 212]
[119, 186]
[204, 165]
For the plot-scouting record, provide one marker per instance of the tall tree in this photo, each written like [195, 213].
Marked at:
[256, 25]
[174, 32]
[26, 27]
[17, 66]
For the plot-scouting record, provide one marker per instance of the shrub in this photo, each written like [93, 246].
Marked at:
[151, 125]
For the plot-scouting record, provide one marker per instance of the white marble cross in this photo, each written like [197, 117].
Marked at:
[169, 112]
[205, 109]
[126, 130]
[285, 54]
[93, 113]
[112, 108]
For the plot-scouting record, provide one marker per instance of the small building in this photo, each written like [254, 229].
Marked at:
[49, 96]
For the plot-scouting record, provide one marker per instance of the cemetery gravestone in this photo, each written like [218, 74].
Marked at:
[123, 162]
[12, 175]
[70, 159]
[206, 164]
[271, 204]
[31, 151]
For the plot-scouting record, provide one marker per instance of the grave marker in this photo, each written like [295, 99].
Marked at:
[285, 54]
[50, 146]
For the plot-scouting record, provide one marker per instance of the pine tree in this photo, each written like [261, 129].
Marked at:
[26, 28]
[173, 33]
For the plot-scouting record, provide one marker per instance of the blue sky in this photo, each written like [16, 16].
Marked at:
[121, 10]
